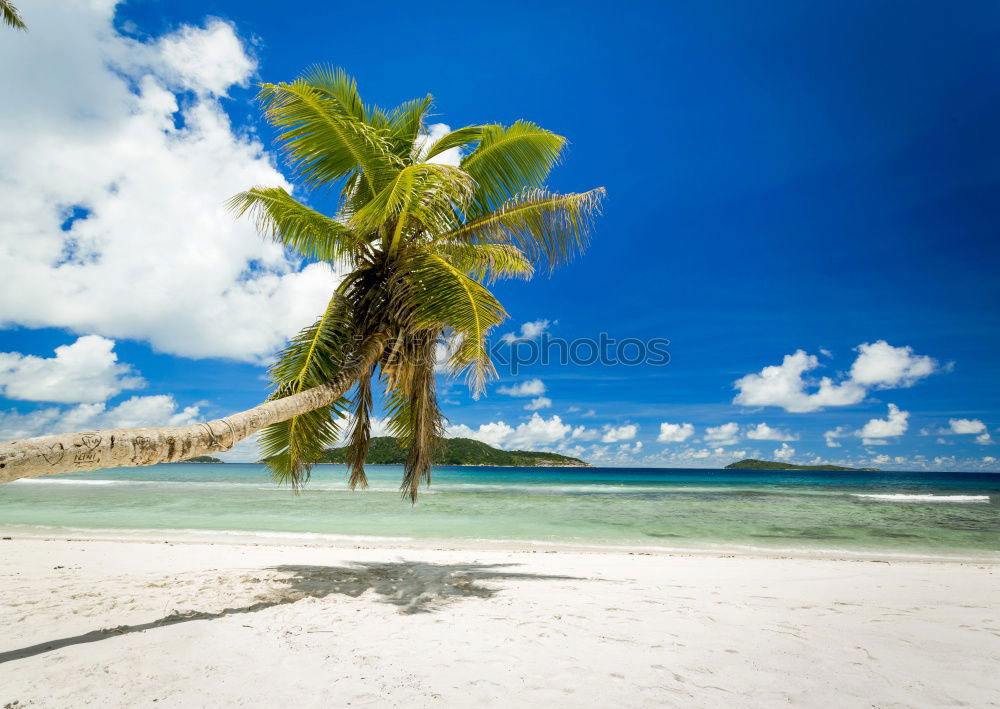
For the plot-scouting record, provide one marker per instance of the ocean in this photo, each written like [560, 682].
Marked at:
[906, 513]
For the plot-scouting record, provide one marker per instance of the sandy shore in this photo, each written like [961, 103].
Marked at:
[126, 624]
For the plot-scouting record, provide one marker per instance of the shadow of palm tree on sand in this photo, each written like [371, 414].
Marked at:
[413, 587]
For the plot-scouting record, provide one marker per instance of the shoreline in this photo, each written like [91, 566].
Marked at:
[321, 540]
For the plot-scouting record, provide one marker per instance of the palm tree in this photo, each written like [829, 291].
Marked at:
[419, 241]
[10, 15]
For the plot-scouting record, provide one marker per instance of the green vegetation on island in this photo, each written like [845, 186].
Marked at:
[203, 459]
[754, 464]
[385, 450]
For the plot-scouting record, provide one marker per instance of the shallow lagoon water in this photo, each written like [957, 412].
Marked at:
[921, 513]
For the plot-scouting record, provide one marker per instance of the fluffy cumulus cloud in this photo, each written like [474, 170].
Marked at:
[159, 410]
[583, 433]
[725, 435]
[763, 432]
[541, 402]
[786, 452]
[86, 371]
[529, 331]
[832, 436]
[530, 387]
[965, 426]
[117, 162]
[536, 432]
[878, 365]
[877, 430]
[675, 432]
[613, 434]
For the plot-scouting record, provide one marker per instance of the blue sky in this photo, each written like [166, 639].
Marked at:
[781, 177]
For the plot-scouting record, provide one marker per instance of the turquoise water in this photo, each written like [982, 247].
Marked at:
[892, 512]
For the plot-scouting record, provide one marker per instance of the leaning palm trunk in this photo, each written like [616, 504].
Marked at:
[126, 447]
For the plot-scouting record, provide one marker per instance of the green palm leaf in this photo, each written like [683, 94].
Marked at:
[440, 296]
[339, 86]
[509, 160]
[405, 124]
[324, 143]
[292, 224]
[10, 15]
[413, 415]
[421, 196]
[312, 358]
[456, 139]
[487, 263]
[360, 439]
[549, 229]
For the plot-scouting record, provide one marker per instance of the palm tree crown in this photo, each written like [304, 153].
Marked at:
[418, 240]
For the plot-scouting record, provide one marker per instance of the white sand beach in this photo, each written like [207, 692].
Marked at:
[172, 624]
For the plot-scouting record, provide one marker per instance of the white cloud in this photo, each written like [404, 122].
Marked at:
[97, 126]
[763, 432]
[586, 434]
[989, 459]
[984, 438]
[832, 436]
[782, 385]
[880, 459]
[208, 60]
[531, 387]
[784, 453]
[878, 365]
[963, 426]
[882, 366]
[529, 331]
[895, 424]
[613, 434]
[542, 402]
[138, 411]
[725, 435]
[531, 434]
[675, 432]
[86, 371]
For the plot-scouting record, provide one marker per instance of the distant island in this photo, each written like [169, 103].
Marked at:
[385, 450]
[754, 464]
[203, 459]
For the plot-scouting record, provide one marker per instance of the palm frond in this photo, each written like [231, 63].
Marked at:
[290, 448]
[424, 196]
[289, 222]
[360, 439]
[339, 86]
[456, 139]
[550, 229]
[413, 415]
[324, 143]
[405, 124]
[509, 160]
[11, 17]
[440, 296]
[313, 357]
[487, 263]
